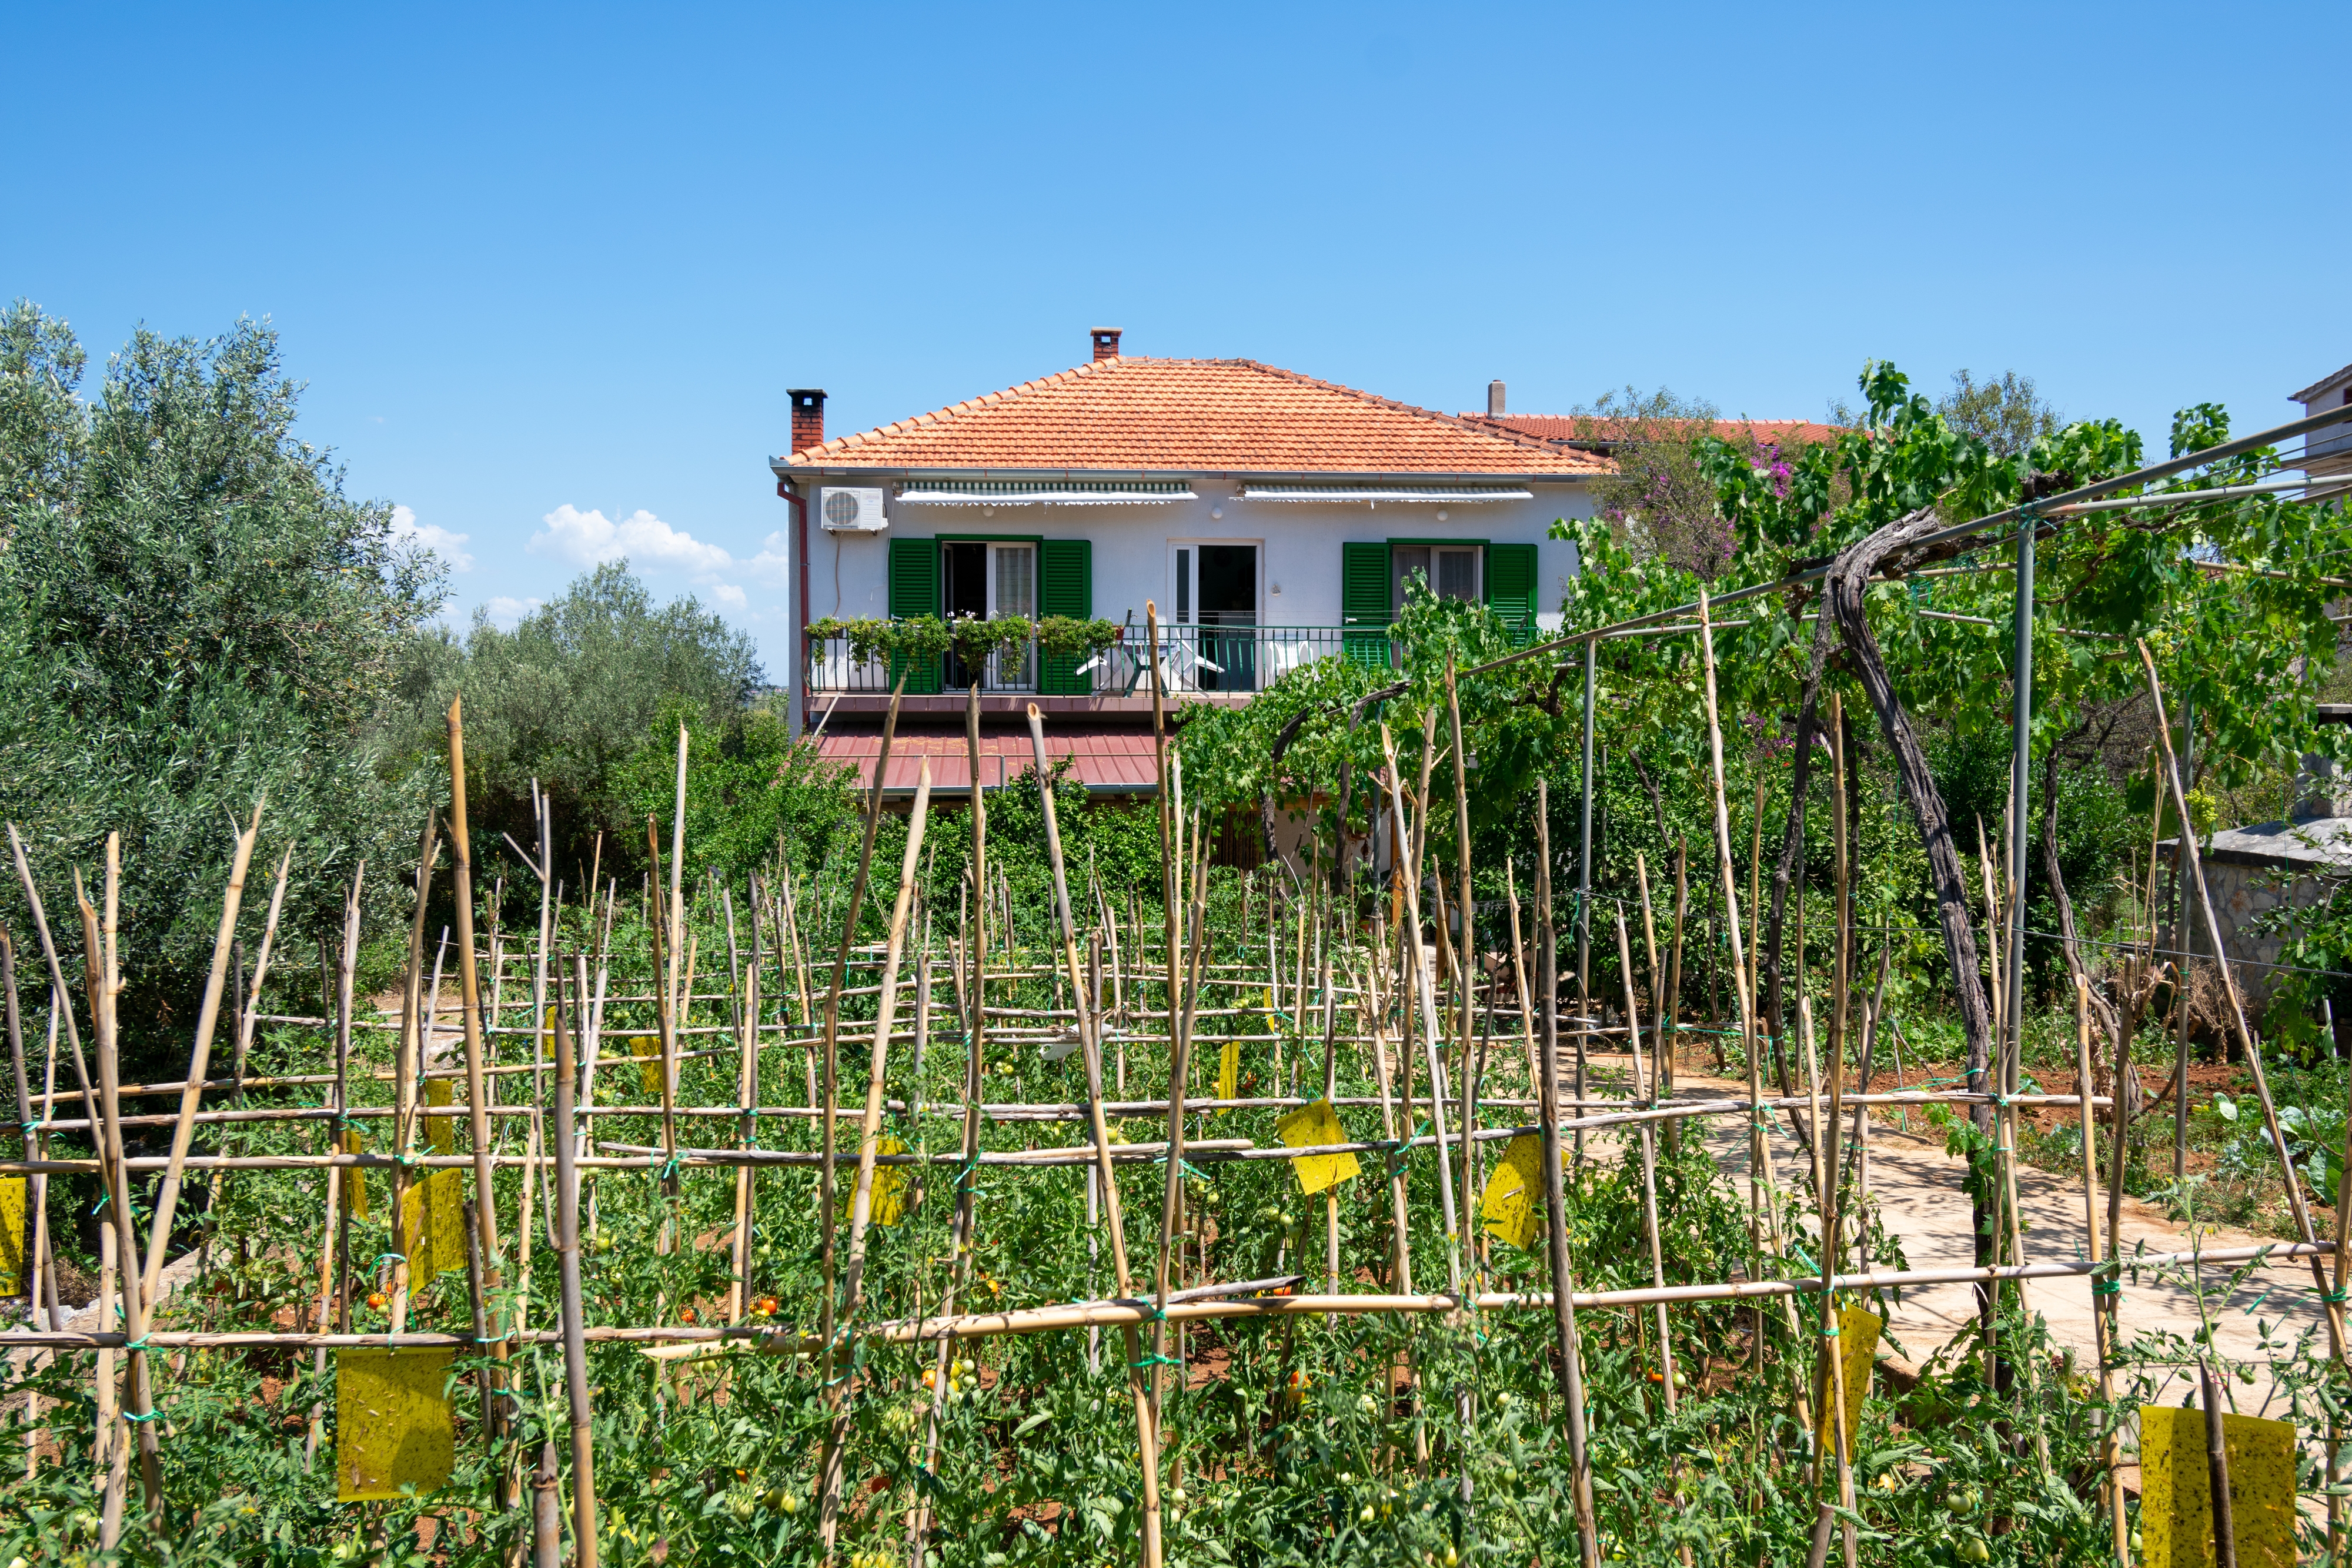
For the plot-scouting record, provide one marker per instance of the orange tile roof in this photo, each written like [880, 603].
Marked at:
[1130, 414]
[1564, 427]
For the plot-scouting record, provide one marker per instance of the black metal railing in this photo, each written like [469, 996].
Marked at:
[1193, 658]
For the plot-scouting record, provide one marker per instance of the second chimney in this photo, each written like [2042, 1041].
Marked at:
[1106, 343]
[1494, 399]
[808, 417]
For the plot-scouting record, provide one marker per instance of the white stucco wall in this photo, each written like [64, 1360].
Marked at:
[848, 574]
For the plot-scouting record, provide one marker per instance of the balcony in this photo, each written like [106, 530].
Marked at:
[1196, 663]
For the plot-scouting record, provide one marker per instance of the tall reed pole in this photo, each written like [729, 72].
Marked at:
[105, 985]
[1426, 989]
[167, 1197]
[2332, 1303]
[828, 1111]
[841, 1392]
[1743, 981]
[477, 1108]
[1090, 1047]
[567, 1243]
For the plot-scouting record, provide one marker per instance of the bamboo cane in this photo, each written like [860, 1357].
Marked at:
[105, 986]
[2329, 1300]
[2110, 1455]
[1742, 980]
[747, 1096]
[974, 918]
[1427, 996]
[577, 1393]
[831, 1090]
[1563, 1302]
[167, 1197]
[405, 1061]
[1649, 1178]
[1090, 1047]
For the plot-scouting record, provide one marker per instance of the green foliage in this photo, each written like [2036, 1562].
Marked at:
[914, 638]
[756, 796]
[2009, 415]
[193, 618]
[569, 699]
[1660, 497]
[1511, 719]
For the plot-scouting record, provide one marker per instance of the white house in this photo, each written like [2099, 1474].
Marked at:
[1271, 517]
[2330, 450]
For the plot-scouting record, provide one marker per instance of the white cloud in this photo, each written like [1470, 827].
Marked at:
[449, 547]
[768, 565]
[730, 595]
[504, 610]
[592, 538]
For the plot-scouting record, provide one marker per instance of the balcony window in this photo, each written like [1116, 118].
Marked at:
[1450, 571]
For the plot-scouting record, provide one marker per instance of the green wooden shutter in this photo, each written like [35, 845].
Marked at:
[1364, 603]
[1066, 586]
[914, 590]
[1511, 587]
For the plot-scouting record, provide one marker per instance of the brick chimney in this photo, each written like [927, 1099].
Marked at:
[1494, 399]
[1106, 343]
[808, 417]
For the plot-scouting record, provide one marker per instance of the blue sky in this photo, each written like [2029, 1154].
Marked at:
[548, 271]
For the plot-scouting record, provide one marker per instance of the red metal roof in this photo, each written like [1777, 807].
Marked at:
[1219, 416]
[1107, 760]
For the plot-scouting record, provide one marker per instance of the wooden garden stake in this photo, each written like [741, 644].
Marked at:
[829, 1110]
[167, 1197]
[2103, 1287]
[1090, 1048]
[1563, 1277]
[567, 1244]
[105, 984]
[1649, 1173]
[1742, 981]
[747, 1101]
[971, 995]
[1427, 995]
[2330, 1300]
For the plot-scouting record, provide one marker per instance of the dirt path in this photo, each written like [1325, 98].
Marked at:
[1917, 1188]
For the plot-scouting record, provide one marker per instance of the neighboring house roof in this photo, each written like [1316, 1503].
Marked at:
[2321, 385]
[2311, 845]
[1602, 434]
[1130, 414]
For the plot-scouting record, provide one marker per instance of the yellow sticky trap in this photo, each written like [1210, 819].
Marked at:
[440, 1132]
[393, 1423]
[2176, 1515]
[433, 1225]
[12, 1234]
[887, 1204]
[1229, 1070]
[647, 1050]
[1512, 1203]
[1308, 1127]
[355, 1195]
[1857, 1349]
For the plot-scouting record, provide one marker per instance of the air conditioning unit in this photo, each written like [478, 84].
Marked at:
[850, 511]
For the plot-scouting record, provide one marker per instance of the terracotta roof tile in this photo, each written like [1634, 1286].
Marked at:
[1561, 427]
[1131, 414]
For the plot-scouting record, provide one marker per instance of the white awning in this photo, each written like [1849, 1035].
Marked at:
[1443, 495]
[1045, 493]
